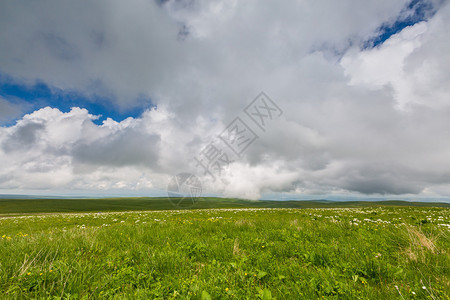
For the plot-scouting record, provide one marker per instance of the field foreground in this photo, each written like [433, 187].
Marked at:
[345, 253]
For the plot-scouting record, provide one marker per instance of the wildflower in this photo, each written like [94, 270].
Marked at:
[413, 293]
[51, 271]
[40, 274]
[424, 287]
[29, 273]
[245, 274]
[226, 290]
[262, 246]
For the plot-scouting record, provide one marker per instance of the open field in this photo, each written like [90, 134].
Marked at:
[342, 253]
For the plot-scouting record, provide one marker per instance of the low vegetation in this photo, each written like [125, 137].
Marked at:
[341, 253]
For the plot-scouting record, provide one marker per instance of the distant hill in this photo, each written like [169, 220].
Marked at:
[32, 206]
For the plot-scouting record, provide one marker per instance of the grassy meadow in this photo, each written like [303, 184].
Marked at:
[253, 253]
[32, 206]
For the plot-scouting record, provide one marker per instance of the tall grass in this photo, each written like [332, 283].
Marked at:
[367, 253]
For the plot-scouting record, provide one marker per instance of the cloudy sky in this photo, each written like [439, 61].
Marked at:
[115, 97]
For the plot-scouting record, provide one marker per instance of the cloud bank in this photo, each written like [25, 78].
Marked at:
[356, 120]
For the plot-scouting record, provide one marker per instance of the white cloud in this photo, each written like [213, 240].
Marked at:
[375, 121]
[414, 62]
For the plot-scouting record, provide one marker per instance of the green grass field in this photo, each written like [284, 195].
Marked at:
[342, 253]
[33, 206]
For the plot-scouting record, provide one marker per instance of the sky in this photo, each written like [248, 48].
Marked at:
[257, 99]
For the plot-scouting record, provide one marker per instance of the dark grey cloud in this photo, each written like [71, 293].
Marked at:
[9, 111]
[60, 47]
[23, 138]
[129, 147]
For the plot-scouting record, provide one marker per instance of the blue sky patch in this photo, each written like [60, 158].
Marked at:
[415, 12]
[31, 98]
